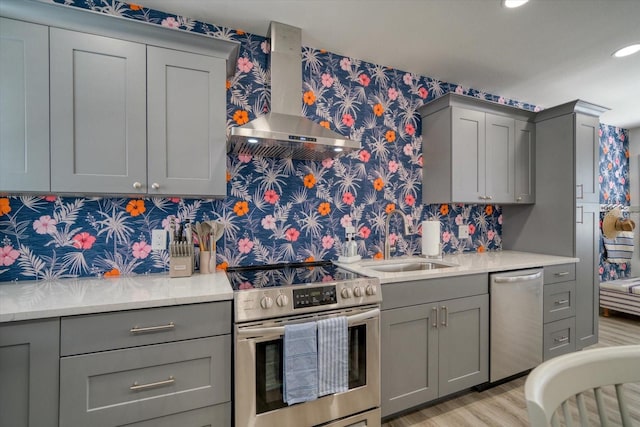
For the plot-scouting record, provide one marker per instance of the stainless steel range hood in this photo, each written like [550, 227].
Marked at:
[283, 132]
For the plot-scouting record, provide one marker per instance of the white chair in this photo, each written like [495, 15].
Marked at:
[551, 385]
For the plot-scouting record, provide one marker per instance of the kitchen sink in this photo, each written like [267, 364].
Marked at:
[408, 266]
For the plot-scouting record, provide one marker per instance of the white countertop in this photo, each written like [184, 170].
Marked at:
[42, 299]
[468, 263]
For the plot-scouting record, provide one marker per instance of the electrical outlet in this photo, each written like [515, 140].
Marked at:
[158, 240]
[463, 231]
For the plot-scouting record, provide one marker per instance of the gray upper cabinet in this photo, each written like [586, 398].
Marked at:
[587, 154]
[186, 123]
[24, 110]
[476, 151]
[98, 114]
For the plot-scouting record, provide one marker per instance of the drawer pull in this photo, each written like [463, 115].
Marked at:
[561, 302]
[140, 387]
[562, 273]
[561, 339]
[139, 330]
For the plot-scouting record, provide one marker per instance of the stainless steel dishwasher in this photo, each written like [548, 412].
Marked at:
[516, 322]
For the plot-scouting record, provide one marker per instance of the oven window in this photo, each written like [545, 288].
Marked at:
[269, 368]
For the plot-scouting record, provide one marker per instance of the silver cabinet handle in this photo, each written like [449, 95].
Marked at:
[139, 387]
[518, 199]
[561, 339]
[581, 196]
[155, 186]
[137, 185]
[435, 317]
[511, 279]
[562, 273]
[581, 214]
[488, 198]
[561, 302]
[445, 317]
[139, 330]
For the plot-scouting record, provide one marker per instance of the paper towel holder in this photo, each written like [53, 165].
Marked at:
[434, 257]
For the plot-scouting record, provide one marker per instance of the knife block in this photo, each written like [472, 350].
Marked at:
[180, 261]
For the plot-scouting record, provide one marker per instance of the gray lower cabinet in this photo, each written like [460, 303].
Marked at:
[435, 348]
[29, 353]
[24, 117]
[559, 310]
[587, 278]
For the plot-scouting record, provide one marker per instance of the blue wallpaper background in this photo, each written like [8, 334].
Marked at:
[279, 210]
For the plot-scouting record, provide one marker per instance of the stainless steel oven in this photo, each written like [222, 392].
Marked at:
[261, 315]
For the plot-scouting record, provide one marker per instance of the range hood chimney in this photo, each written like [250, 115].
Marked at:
[283, 132]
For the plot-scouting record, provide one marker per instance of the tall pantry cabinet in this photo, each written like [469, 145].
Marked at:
[565, 218]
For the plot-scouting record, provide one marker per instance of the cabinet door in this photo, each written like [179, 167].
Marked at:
[587, 281]
[468, 159]
[587, 154]
[409, 362]
[463, 343]
[500, 152]
[186, 113]
[98, 114]
[29, 353]
[525, 167]
[24, 106]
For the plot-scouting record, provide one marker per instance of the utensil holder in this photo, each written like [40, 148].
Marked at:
[205, 262]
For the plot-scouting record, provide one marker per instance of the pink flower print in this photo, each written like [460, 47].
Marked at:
[420, 161]
[600, 179]
[537, 109]
[170, 22]
[393, 238]
[8, 255]
[610, 140]
[345, 221]
[446, 237]
[364, 156]
[410, 129]
[407, 150]
[347, 120]
[348, 198]
[622, 138]
[327, 163]
[617, 161]
[244, 64]
[393, 166]
[600, 133]
[265, 46]
[50, 198]
[268, 222]
[393, 93]
[364, 79]
[245, 285]
[245, 245]
[459, 90]
[472, 229]
[500, 219]
[270, 196]
[45, 225]
[327, 278]
[174, 199]
[141, 250]
[407, 78]
[327, 80]
[491, 234]
[345, 64]
[501, 100]
[601, 270]
[423, 93]
[327, 242]
[83, 240]
[409, 199]
[364, 232]
[291, 234]
[244, 158]
[459, 220]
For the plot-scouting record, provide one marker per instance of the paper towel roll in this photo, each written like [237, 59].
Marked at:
[431, 238]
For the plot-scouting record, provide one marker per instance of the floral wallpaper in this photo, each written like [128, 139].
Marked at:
[277, 210]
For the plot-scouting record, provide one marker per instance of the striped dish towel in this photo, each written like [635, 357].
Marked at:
[333, 355]
[620, 249]
[300, 379]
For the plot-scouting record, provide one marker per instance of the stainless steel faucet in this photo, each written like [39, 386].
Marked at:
[405, 221]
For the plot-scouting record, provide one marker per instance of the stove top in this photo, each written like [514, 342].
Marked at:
[272, 275]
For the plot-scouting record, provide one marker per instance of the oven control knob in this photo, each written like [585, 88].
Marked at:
[345, 293]
[282, 300]
[371, 290]
[266, 302]
[357, 291]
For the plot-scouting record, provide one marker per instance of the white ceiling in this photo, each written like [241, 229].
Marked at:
[545, 53]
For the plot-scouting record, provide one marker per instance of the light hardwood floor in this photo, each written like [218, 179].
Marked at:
[504, 405]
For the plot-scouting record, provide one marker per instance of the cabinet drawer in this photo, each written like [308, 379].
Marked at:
[125, 386]
[211, 416]
[559, 338]
[559, 301]
[110, 331]
[559, 273]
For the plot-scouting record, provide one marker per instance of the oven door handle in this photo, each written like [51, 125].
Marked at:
[279, 330]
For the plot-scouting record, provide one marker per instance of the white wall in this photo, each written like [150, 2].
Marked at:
[634, 192]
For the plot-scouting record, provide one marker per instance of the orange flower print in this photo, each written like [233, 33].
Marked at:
[390, 136]
[605, 196]
[627, 197]
[309, 97]
[222, 266]
[240, 117]
[136, 207]
[324, 124]
[228, 84]
[444, 209]
[133, 6]
[390, 207]
[626, 153]
[610, 166]
[378, 109]
[480, 249]
[228, 176]
[309, 181]
[310, 259]
[240, 32]
[488, 209]
[5, 208]
[378, 255]
[324, 208]
[605, 149]
[112, 273]
[241, 208]
[378, 184]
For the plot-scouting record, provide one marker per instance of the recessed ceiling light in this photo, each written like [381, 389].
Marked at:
[252, 141]
[337, 149]
[627, 50]
[513, 3]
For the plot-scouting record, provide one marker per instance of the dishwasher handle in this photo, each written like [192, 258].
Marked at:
[523, 278]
